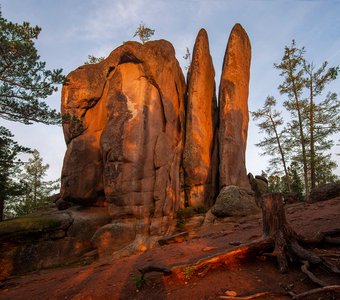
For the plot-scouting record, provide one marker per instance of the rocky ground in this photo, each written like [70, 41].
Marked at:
[118, 279]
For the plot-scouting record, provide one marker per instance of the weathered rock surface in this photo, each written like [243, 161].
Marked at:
[233, 105]
[127, 140]
[134, 150]
[234, 201]
[324, 192]
[113, 237]
[47, 239]
[200, 151]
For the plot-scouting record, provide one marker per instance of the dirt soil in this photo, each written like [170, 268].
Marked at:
[116, 279]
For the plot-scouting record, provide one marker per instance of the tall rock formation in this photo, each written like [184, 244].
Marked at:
[124, 125]
[131, 153]
[133, 148]
[200, 151]
[233, 105]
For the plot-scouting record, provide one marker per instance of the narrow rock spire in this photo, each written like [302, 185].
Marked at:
[233, 105]
[200, 159]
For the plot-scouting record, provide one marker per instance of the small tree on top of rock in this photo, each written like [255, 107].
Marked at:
[91, 59]
[144, 33]
[187, 58]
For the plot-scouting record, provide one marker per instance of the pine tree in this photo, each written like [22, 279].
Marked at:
[36, 189]
[9, 168]
[144, 33]
[291, 67]
[323, 117]
[272, 144]
[24, 81]
[313, 122]
[297, 185]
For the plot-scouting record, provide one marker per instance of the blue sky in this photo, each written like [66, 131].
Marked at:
[73, 29]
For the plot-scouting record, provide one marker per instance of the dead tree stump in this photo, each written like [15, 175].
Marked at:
[287, 243]
[275, 226]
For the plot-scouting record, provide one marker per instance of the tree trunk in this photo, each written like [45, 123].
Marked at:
[282, 155]
[303, 147]
[2, 206]
[302, 136]
[312, 150]
[275, 226]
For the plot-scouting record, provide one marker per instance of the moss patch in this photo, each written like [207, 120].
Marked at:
[29, 224]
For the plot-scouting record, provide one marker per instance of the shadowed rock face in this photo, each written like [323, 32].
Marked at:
[233, 102]
[84, 119]
[200, 155]
[125, 132]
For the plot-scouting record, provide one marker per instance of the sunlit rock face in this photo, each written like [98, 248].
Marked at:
[233, 106]
[143, 145]
[140, 145]
[124, 127]
[200, 151]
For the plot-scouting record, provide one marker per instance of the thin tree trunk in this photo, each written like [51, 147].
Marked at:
[2, 205]
[302, 136]
[312, 150]
[282, 155]
[303, 147]
[35, 191]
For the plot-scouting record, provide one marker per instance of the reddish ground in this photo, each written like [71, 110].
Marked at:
[114, 279]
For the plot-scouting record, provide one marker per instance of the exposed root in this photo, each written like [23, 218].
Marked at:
[329, 288]
[326, 236]
[254, 296]
[311, 276]
[228, 258]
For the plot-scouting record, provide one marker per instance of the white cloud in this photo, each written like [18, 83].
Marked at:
[74, 29]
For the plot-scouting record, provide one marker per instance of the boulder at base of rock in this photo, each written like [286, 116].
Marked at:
[324, 192]
[113, 237]
[48, 238]
[234, 201]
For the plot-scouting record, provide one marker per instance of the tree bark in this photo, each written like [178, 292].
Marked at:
[312, 150]
[2, 205]
[282, 155]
